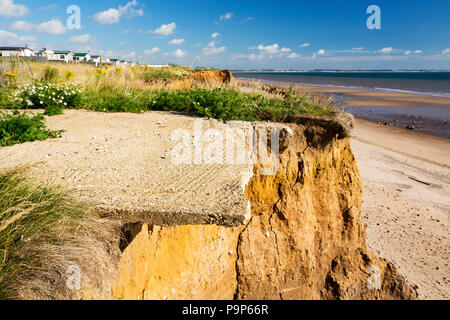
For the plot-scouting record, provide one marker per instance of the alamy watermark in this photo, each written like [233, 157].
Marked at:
[374, 20]
[230, 146]
[374, 280]
[74, 20]
[73, 281]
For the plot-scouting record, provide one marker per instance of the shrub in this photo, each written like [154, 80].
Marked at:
[107, 99]
[39, 95]
[4, 98]
[100, 72]
[10, 78]
[53, 110]
[69, 75]
[219, 103]
[20, 127]
[50, 74]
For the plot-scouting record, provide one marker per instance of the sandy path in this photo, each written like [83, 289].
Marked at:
[123, 163]
[406, 202]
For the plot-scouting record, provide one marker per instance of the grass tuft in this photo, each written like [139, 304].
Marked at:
[30, 215]
[19, 127]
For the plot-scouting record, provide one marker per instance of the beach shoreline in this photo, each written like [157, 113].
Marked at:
[417, 112]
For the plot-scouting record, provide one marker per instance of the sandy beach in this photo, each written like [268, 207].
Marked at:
[406, 202]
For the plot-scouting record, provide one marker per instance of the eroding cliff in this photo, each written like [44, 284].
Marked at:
[205, 231]
[304, 240]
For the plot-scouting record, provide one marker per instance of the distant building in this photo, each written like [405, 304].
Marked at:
[62, 56]
[16, 52]
[115, 62]
[45, 53]
[96, 59]
[81, 57]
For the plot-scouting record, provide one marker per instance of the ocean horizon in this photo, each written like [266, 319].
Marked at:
[433, 83]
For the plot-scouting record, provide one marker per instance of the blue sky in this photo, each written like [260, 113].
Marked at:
[300, 34]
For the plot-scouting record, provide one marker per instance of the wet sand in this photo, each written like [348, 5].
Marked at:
[367, 97]
[406, 202]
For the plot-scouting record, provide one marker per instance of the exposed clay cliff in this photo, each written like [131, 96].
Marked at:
[208, 79]
[305, 239]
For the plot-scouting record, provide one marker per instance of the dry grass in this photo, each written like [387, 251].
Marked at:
[269, 91]
[138, 77]
[44, 231]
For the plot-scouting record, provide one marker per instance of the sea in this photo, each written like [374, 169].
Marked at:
[428, 118]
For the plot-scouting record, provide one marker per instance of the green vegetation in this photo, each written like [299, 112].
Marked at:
[20, 127]
[51, 97]
[4, 97]
[205, 69]
[50, 74]
[108, 99]
[219, 103]
[30, 216]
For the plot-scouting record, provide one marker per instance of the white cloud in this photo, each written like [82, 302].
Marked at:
[256, 57]
[11, 39]
[129, 9]
[54, 26]
[304, 45]
[166, 29]
[247, 19]
[389, 50]
[113, 15]
[272, 49]
[358, 49]
[49, 7]
[129, 55]
[321, 52]
[176, 41]
[22, 26]
[9, 9]
[215, 35]
[109, 16]
[177, 53]
[85, 38]
[51, 27]
[152, 51]
[28, 39]
[386, 50]
[446, 51]
[293, 55]
[226, 16]
[409, 52]
[213, 50]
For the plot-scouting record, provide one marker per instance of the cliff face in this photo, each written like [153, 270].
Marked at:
[206, 79]
[304, 240]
